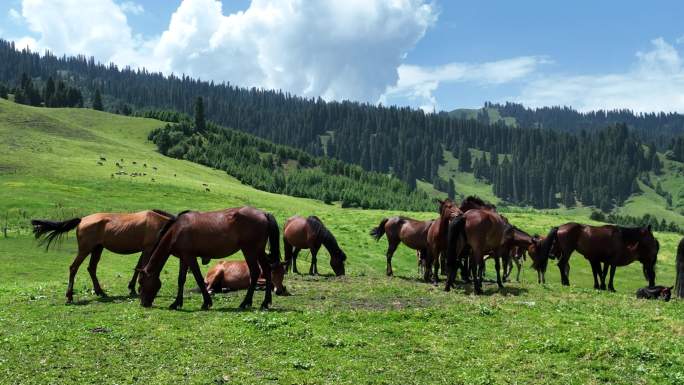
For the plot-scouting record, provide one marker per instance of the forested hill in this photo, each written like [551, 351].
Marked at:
[537, 167]
[659, 128]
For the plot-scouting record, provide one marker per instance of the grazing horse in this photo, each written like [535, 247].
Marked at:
[118, 233]
[538, 263]
[609, 244]
[234, 275]
[485, 232]
[437, 239]
[310, 233]
[516, 254]
[411, 232]
[211, 235]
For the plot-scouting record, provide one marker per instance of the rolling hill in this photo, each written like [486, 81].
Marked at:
[395, 329]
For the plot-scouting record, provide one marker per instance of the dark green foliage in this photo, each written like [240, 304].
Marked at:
[26, 92]
[631, 221]
[200, 123]
[97, 100]
[595, 167]
[676, 149]
[284, 170]
[3, 91]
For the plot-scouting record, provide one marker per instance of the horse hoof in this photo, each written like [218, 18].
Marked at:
[611, 289]
[175, 306]
[206, 306]
[101, 294]
[264, 306]
[133, 294]
[245, 306]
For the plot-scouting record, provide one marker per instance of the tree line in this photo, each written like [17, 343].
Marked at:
[528, 165]
[633, 221]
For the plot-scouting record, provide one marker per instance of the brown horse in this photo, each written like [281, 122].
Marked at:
[310, 233]
[411, 232]
[437, 238]
[516, 254]
[475, 202]
[538, 263]
[118, 233]
[211, 235]
[484, 232]
[234, 275]
[609, 244]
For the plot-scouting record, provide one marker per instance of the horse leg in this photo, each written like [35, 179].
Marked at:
[518, 266]
[295, 253]
[442, 263]
[134, 279]
[254, 271]
[604, 273]
[564, 268]
[497, 264]
[73, 269]
[287, 247]
[596, 271]
[477, 271]
[195, 269]
[182, 273]
[391, 248]
[266, 272]
[92, 270]
[313, 269]
[612, 275]
[451, 271]
[437, 264]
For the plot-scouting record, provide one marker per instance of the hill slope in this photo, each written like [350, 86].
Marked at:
[396, 330]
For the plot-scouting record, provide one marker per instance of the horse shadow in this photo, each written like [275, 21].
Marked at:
[107, 299]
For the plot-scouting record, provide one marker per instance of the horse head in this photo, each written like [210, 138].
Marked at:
[337, 260]
[278, 276]
[448, 209]
[149, 287]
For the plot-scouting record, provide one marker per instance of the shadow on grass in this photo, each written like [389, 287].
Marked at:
[107, 299]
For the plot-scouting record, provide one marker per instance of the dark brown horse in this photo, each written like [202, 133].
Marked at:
[475, 202]
[484, 232]
[118, 233]
[234, 275]
[211, 235]
[310, 233]
[437, 239]
[609, 244]
[516, 253]
[411, 232]
[538, 263]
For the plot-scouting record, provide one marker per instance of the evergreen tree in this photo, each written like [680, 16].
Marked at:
[200, 123]
[464, 158]
[49, 93]
[97, 101]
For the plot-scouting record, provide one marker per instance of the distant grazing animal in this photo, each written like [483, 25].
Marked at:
[234, 275]
[100, 163]
[609, 244]
[118, 233]
[134, 162]
[207, 189]
[102, 158]
[655, 292]
[484, 232]
[437, 240]
[211, 235]
[118, 165]
[144, 164]
[310, 233]
[411, 232]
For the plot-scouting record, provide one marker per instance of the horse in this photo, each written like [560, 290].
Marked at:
[234, 275]
[655, 292]
[118, 233]
[516, 253]
[212, 235]
[475, 202]
[411, 232]
[609, 244]
[539, 264]
[437, 239]
[485, 232]
[310, 233]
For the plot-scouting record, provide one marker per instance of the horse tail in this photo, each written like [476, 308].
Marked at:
[456, 228]
[273, 240]
[378, 232]
[51, 231]
[679, 280]
[546, 245]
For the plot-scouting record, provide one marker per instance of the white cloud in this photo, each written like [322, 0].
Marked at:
[418, 83]
[680, 40]
[131, 7]
[655, 83]
[95, 27]
[349, 49]
[14, 15]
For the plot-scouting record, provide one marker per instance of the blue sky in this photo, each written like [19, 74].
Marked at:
[430, 54]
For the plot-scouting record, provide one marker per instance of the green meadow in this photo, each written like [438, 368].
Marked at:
[364, 328]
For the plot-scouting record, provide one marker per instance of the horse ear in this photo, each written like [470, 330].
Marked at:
[648, 228]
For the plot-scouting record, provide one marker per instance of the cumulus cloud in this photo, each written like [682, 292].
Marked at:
[417, 83]
[132, 7]
[95, 27]
[334, 49]
[654, 83]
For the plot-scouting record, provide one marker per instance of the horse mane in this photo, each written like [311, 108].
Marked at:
[323, 233]
[630, 234]
[475, 201]
[163, 213]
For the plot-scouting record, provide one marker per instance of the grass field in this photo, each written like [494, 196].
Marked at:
[362, 328]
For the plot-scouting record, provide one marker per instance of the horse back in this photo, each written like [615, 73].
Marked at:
[296, 232]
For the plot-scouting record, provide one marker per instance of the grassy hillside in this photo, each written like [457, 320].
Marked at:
[363, 328]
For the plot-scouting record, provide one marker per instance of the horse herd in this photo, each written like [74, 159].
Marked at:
[460, 239]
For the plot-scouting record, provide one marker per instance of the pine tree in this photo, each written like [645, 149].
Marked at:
[97, 101]
[49, 93]
[464, 159]
[200, 123]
